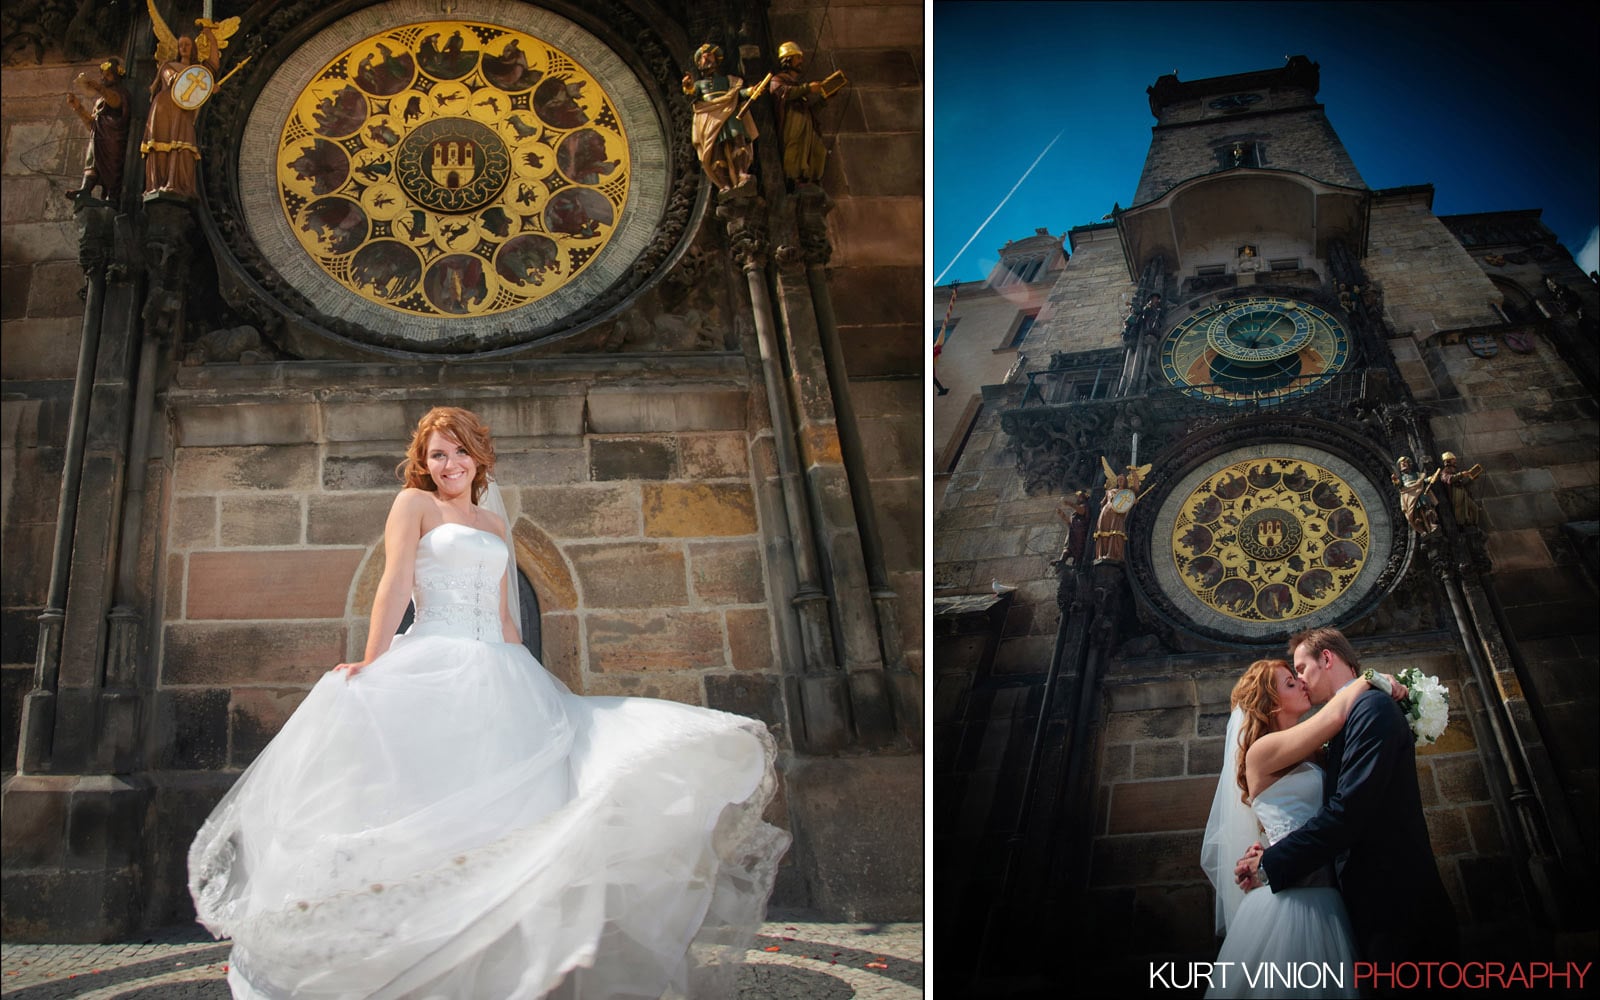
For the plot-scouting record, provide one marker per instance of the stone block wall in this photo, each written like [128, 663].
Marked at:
[1534, 426]
[1273, 99]
[1302, 141]
[634, 511]
[1430, 283]
[889, 419]
[874, 178]
[1160, 754]
[1086, 306]
[41, 321]
[988, 528]
[642, 543]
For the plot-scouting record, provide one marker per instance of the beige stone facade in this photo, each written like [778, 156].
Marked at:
[714, 476]
[1079, 707]
[988, 327]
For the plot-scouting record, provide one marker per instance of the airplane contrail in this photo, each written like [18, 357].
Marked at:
[997, 208]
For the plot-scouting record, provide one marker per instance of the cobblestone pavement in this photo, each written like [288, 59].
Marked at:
[791, 960]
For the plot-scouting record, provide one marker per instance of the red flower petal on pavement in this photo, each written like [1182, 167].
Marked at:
[772, 947]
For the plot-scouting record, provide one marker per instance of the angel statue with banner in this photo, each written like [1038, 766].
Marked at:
[1122, 492]
[185, 78]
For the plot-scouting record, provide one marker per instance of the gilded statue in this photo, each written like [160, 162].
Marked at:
[1458, 482]
[804, 155]
[1074, 513]
[186, 74]
[724, 132]
[108, 130]
[1122, 492]
[1416, 498]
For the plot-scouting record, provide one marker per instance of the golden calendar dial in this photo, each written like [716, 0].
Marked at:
[1270, 539]
[1266, 539]
[453, 168]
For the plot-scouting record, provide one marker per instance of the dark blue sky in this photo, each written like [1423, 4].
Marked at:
[1496, 105]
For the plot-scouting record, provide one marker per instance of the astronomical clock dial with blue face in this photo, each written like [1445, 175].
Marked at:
[1235, 102]
[1262, 348]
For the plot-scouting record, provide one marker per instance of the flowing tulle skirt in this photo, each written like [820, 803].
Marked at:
[1293, 943]
[453, 823]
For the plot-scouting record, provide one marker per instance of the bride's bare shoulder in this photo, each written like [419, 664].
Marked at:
[412, 501]
[492, 521]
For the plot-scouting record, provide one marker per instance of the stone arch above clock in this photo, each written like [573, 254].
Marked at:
[366, 200]
[1231, 204]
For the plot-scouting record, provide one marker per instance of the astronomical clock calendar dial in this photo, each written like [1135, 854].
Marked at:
[1272, 535]
[452, 168]
[437, 178]
[1262, 348]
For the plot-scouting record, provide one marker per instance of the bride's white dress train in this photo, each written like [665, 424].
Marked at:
[1272, 931]
[452, 822]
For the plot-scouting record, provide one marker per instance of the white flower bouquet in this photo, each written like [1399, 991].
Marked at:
[1426, 704]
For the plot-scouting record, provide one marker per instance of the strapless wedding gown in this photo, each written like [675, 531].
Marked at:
[452, 822]
[1274, 931]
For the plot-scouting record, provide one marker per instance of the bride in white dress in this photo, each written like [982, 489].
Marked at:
[1269, 786]
[444, 819]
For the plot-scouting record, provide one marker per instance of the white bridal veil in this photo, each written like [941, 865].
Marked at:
[1230, 830]
[493, 502]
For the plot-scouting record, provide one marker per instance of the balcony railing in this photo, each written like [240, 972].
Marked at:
[1076, 386]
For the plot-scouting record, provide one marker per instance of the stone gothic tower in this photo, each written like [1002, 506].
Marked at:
[1229, 370]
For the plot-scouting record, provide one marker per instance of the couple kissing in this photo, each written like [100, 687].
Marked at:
[1316, 843]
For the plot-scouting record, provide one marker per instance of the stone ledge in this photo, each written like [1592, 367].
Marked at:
[862, 820]
[653, 409]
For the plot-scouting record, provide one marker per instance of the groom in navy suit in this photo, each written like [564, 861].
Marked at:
[1370, 826]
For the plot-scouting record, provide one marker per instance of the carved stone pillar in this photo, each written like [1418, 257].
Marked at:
[96, 241]
[1141, 328]
[904, 686]
[74, 815]
[817, 687]
[832, 508]
[168, 245]
[1049, 849]
[1528, 789]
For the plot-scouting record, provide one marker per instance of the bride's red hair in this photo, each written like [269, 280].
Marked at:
[1257, 694]
[461, 426]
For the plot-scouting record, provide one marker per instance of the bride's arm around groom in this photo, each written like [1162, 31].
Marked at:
[1371, 826]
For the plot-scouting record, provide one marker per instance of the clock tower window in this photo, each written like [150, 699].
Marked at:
[1239, 153]
[1024, 323]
